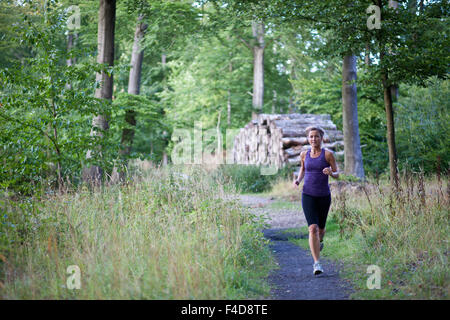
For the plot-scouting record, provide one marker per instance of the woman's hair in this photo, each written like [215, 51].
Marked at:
[317, 128]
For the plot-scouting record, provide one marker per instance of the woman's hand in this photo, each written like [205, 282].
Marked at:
[327, 171]
[296, 183]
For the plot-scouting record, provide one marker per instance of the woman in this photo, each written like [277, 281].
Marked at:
[316, 165]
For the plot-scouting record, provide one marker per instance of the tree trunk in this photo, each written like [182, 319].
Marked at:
[258, 67]
[291, 104]
[71, 40]
[230, 69]
[390, 129]
[165, 157]
[106, 24]
[134, 85]
[274, 101]
[353, 162]
[388, 107]
[367, 55]
[137, 55]
[394, 86]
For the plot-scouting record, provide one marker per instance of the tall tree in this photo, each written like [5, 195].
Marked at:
[134, 85]
[258, 66]
[388, 102]
[353, 161]
[105, 55]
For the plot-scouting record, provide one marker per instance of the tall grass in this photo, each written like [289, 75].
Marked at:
[404, 231]
[167, 235]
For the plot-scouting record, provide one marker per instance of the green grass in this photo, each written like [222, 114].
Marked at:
[160, 237]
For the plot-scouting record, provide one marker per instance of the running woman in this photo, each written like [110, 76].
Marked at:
[316, 165]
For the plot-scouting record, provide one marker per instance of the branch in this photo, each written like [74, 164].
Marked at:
[246, 43]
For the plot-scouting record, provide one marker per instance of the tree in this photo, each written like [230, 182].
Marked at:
[258, 66]
[353, 161]
[404, 37]
[134, 84]
[106, 28]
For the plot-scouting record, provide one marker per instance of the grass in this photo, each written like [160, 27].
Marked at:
[163, 236]
[405, 232]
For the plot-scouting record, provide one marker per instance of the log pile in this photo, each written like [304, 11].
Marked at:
[278, 139]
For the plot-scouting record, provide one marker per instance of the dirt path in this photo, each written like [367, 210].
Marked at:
[294, 280]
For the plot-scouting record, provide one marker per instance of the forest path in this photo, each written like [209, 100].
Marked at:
[294, 279]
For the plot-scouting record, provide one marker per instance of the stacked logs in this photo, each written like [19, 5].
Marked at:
[278, 139]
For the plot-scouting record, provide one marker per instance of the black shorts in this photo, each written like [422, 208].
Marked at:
[316, 209]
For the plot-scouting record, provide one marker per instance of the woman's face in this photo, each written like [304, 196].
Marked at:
[314, 138]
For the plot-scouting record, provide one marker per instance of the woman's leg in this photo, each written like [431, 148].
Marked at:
[314, 241]
[323, 208]
[310, 211]
[321, 234]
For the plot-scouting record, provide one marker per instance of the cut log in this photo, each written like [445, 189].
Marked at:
[294, 151]
[294, 160]
[291, 132]
[302, 124]
[335, 146]
[289, 142]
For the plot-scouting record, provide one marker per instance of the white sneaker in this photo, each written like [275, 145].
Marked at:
[317, 268]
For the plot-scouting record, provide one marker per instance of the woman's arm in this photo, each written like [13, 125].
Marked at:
[301, 174]
[333, 169]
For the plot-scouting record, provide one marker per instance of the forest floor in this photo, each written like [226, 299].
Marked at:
[294, 279]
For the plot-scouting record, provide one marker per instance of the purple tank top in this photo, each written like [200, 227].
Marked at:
[316, 182]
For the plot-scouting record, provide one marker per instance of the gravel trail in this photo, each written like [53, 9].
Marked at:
[294, 279]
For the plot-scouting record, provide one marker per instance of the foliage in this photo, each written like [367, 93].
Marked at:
[208, 66]
[10, 15]
[198, 92]
[423, 126]
[149, 132]
[44, 123]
